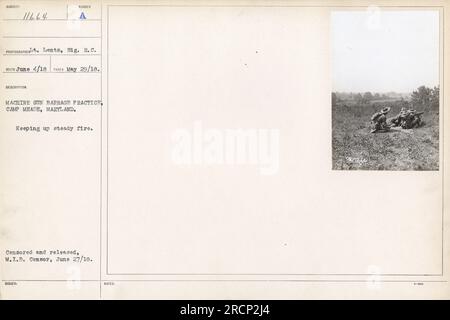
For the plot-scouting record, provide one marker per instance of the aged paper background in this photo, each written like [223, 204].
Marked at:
[157, 230]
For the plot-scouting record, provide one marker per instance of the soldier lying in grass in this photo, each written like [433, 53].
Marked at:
[398, 119]
[406, 119]
[412, 120]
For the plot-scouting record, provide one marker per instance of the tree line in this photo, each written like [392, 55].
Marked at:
[422, 97]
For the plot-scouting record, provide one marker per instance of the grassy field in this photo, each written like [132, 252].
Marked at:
[355, 148]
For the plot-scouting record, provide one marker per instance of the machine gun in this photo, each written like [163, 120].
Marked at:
[413, 120]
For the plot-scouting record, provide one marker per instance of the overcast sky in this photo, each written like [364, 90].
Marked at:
[383, 51]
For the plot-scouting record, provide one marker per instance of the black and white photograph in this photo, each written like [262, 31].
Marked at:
[385, 96]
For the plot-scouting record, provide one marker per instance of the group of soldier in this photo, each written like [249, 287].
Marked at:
[406, 119]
